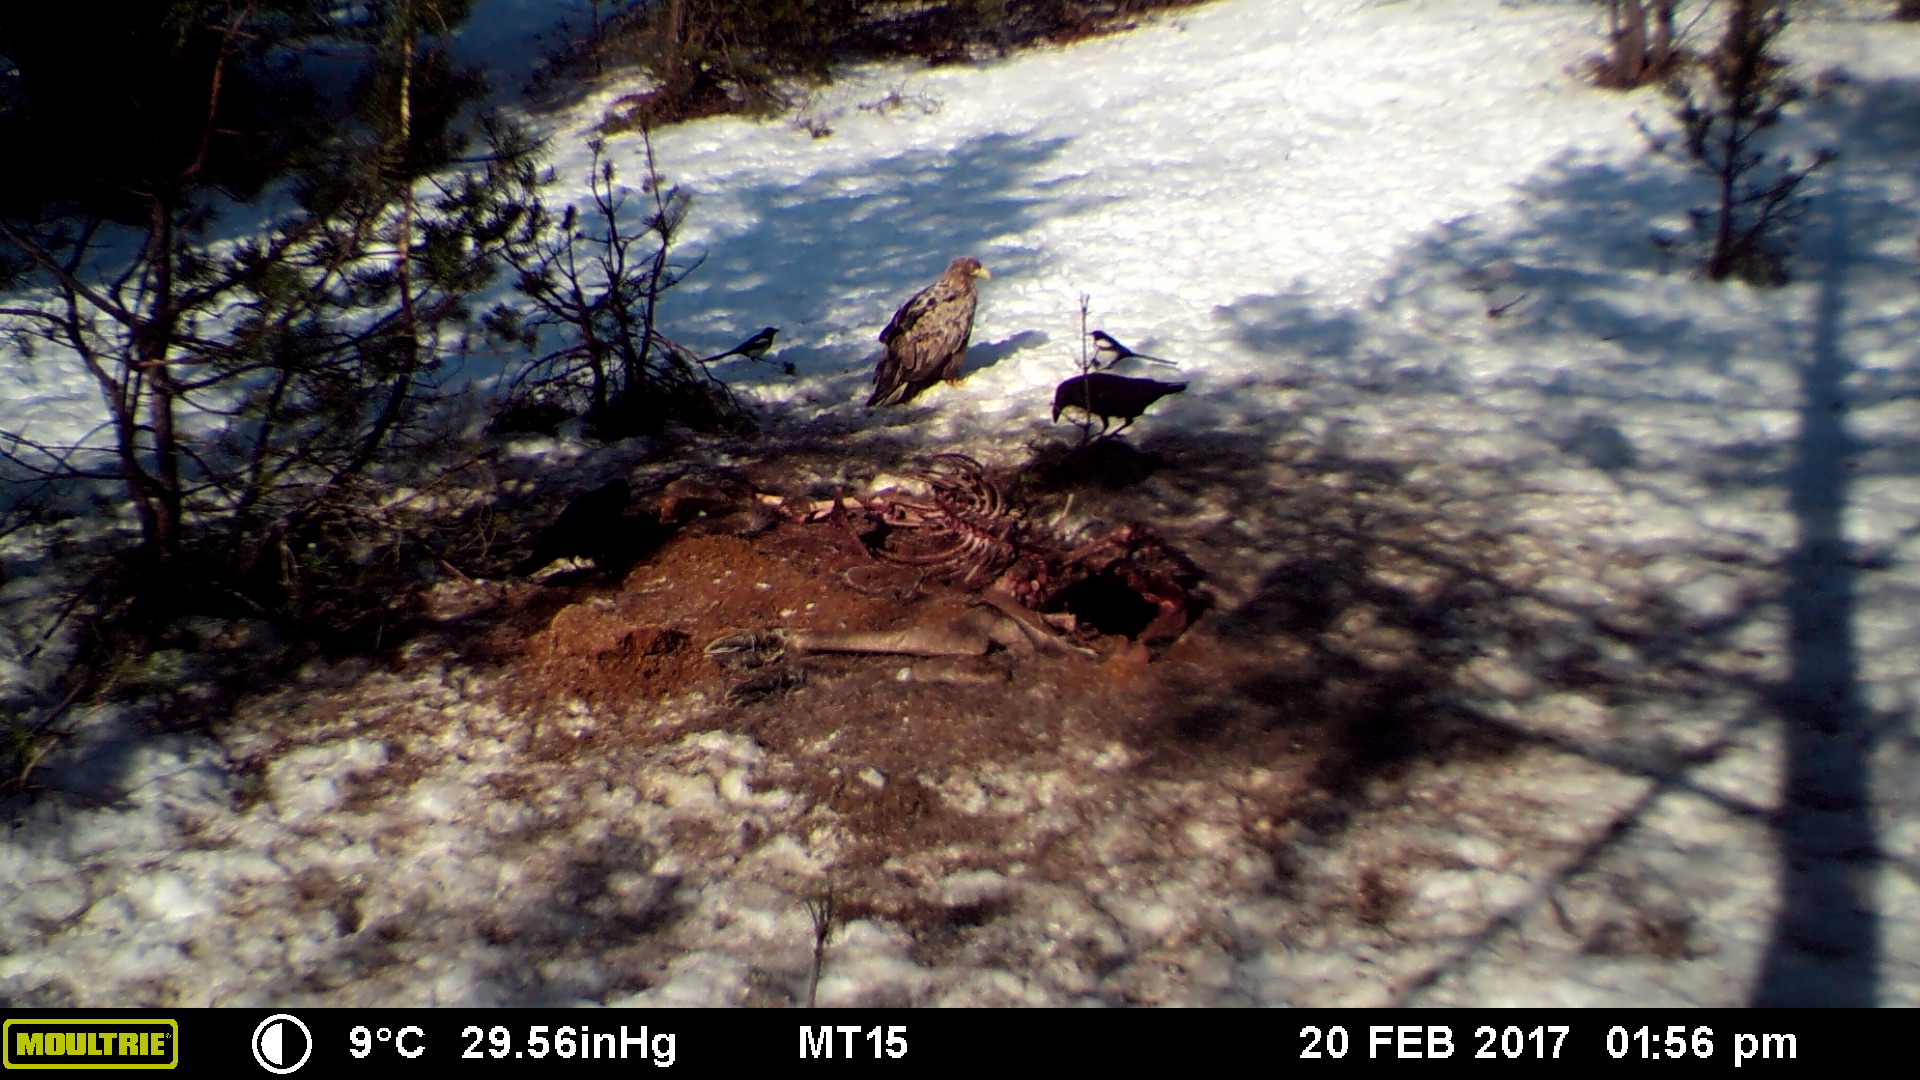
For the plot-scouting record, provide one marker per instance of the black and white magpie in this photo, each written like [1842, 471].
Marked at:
[1109, 354]
[754, 348]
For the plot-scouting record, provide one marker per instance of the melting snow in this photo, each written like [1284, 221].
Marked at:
[1403, 231]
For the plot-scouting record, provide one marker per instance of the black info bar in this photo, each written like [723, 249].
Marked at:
[590, 1041]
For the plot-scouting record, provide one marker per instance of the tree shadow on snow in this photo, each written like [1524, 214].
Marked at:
[1673, 389]
[1342, 569]
[894, 224]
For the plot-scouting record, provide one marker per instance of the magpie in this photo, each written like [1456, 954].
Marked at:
[1109, 354]
[754, 348]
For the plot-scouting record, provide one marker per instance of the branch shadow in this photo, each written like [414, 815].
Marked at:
[1367, 617]
[1669, 390]
[895, 230]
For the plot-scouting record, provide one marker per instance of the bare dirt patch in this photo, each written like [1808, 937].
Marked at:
[1326, 667]
[1371, 736]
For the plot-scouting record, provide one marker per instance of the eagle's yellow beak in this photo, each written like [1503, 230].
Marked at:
[982, 273]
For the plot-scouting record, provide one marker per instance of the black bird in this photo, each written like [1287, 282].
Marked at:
[754, 348]
[592, 526]
[1111, 397]
[1108, 353]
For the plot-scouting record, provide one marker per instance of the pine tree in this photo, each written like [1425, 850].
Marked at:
[180, 109]
[593, 283]
[250, 385]
[1722, 127]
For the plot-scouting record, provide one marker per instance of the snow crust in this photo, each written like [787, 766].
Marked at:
[1407, 231]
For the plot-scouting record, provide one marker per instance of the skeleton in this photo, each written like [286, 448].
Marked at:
[1132, 554]
[968, 533]
[965, 531]
[995, 621]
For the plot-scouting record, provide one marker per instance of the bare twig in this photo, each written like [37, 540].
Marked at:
[820, 912]
[1499, 310]
[1087, 361]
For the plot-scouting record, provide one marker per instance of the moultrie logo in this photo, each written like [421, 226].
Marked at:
[92, 1044]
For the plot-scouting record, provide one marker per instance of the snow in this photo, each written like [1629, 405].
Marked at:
[1406, 232]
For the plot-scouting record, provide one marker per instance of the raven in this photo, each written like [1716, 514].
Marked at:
[1111, 397]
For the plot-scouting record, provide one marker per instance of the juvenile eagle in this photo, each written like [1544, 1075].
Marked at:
[1111, 397]
[928, 336]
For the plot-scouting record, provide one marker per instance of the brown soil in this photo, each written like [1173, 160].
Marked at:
[633, 654]
[1320, 701]
[1351, 617]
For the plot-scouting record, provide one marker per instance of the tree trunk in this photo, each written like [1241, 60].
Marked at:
[1740, 83]
[1660, 53]
[402, 384]
[153, 342]
[594, 41]
[676, 41]
[1630, 48]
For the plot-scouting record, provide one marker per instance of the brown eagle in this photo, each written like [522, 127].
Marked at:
[928, 336]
